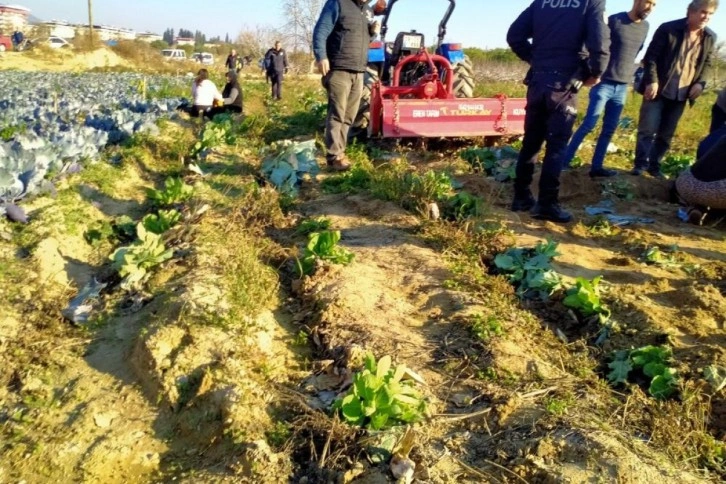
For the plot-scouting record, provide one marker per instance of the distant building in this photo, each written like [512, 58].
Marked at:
[58, 28]
[148, 37]
[106, 33]
[12, 18]
[184, 41]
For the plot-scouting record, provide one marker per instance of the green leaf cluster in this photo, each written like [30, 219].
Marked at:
[584, 297]
[162, 221]
[486, 329]
[653, 362]
[491, 163]
[673, 165]
[214, 133]
[655, 256]
[311, 225]
[463, 205]
[134, 261]
[324, 246]
[380, 397]
[530, 269]
[175, 191]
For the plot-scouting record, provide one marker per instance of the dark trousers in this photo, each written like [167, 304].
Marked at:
[344, 93]
[656, 127]
[211, 113]
[276, 80]
[718, 118]
[551, 113]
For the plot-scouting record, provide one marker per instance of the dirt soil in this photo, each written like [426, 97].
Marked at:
[156, 389]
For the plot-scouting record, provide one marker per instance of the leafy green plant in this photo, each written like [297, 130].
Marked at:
[655, 256]
[530, 269]
[175, 191]
[584, 297]
[214, 133]
[162, 221]
[673, 165]
[411, 190]
[491, 162]
[653, 362]
[462, 206]
[134, 261]
[324, 246]
[381, 396]
[620, 189]
[357, 179]
[601, 226]
[716, 376]
[486, 329]
[311, 225]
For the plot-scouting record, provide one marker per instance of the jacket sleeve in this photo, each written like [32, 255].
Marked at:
[705, 73]
[597, 38]
[324, 27]
[654, 51]
[520, 33]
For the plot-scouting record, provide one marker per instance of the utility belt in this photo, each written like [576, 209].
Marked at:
[574, 79]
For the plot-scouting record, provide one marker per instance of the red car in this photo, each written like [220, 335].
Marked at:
[6, 43]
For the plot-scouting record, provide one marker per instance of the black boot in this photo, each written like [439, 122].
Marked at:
[523, 201]
[551, 212]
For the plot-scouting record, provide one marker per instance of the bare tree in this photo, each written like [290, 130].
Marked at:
[256, 40]
[301, 15]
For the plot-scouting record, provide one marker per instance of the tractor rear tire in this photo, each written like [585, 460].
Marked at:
[464, 79]
[359, 128]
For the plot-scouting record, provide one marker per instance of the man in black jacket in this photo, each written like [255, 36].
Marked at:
[677, 64]
[276, 61]
[549, 35]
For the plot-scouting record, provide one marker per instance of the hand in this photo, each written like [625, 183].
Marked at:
[651, 91]
[695, 91]
[323, 66]
[591, 81]
[376, 28]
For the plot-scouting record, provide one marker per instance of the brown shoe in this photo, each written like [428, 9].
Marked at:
[341, 163]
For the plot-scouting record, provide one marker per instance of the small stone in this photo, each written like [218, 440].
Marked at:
[103, 420]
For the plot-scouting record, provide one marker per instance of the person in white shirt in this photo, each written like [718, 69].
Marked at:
[204, 94]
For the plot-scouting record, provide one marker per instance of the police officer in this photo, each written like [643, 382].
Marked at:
[550, 35]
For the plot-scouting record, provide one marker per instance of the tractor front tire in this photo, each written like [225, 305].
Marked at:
[464, 79]
[359, 128]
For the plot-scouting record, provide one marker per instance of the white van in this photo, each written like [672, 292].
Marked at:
[203, 58]
[174, 54]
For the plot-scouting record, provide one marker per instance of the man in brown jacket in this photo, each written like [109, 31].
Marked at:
[677, 64]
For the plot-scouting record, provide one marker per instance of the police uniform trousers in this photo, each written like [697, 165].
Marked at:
[550, 117]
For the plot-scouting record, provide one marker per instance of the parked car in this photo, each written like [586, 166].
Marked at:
[174, 54]
[203, 58]
[6, 43]
[58, 43]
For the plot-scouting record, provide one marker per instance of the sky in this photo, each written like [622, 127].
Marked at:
[475, 23]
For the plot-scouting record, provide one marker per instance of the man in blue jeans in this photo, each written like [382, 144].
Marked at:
[628, 31]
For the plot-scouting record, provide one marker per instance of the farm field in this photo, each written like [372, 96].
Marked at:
[178, 306]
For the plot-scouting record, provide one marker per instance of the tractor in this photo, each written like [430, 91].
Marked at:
[409, 92]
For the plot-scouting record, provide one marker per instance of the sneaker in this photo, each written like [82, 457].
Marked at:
[602, 173]
[340, 163]
[523, 204]
[551, 212]
[637, 171]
